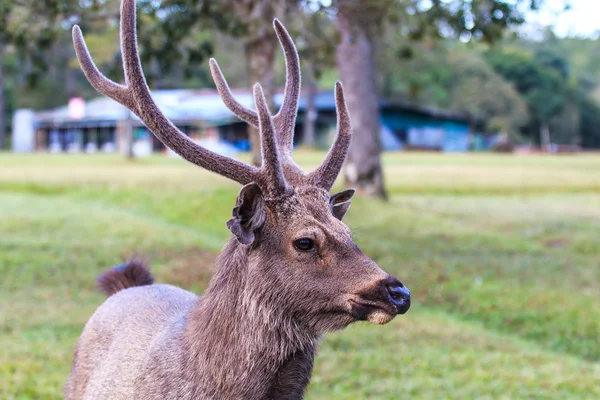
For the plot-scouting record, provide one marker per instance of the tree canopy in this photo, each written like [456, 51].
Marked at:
[455, 55]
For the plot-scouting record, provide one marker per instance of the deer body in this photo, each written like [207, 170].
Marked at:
[161, 342]
[289, 274]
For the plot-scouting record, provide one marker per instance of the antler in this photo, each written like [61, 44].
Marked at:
[270, 154]
[327, 173]
[245, 114]
[136, 96]
[285, 119]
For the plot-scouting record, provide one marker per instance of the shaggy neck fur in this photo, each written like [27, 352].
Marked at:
[240, 336]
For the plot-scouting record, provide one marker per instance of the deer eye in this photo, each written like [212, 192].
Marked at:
[304, 244]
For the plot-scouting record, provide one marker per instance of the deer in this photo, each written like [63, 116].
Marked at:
[289, 274]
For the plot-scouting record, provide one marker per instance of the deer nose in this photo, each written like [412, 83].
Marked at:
[399, 295]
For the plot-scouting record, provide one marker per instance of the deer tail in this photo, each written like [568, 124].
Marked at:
[132, 273]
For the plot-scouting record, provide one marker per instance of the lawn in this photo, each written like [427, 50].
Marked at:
[501, 253]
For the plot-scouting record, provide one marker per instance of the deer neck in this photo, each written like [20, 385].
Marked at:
[240, 339]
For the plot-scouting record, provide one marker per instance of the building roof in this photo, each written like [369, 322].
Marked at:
[206, 107]
[430, 112]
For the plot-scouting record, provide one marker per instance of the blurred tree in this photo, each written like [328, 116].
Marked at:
[590, 123]
[28, 29]
[417, 71]
[3, 89]
[577, 61]
[477, 89]
[359, 20]
[543, 88]
[565, 125]
[312, 30]
[175, 36]
[167, 43]
[249, 21]
[25, 25]
[260, 46]
[453, 76]
[357, 24]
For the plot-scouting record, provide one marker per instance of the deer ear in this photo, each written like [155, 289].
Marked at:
[340, 203]
[249, 214]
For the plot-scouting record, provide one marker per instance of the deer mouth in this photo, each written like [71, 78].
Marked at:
[380, 303]
[379, 313]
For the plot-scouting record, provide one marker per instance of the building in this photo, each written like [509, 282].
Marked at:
[101, 125]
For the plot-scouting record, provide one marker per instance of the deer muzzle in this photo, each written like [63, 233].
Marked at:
[399, 296]
[381, 301]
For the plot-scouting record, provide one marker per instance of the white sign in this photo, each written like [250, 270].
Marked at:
[76, 108]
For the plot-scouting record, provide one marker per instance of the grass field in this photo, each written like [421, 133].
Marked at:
[501, 254]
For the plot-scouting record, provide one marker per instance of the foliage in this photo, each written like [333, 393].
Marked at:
[174, 36]
[580, 68]
[504, 306]
[542, 74]
[455, 77]
[314, 35]
[485, 20]
[513, 86]
[491, 101]
[590, 123]
[541, 87]
[31, 27]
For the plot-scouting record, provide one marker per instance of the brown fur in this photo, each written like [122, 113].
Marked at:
[254, 334]
[133, 273]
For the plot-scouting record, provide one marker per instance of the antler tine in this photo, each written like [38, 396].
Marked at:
[245, 114]
[271, 164]
[285, 119]
[326, 174]
[137, 97]
[100, 82]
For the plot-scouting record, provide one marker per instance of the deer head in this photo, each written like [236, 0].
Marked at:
[300, 255]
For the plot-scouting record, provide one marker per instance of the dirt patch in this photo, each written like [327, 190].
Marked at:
[556, 243]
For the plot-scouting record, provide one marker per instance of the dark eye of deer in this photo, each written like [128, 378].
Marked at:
[304, 244]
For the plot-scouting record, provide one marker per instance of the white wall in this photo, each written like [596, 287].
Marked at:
[23, 131]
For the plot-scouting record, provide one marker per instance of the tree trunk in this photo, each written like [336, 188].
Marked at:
[2, 105]
[260, 55]
[129, 135]
[70, 83]
[310, 116]
[124, 136]
[355, 61]
[545, 137]
[127, 132]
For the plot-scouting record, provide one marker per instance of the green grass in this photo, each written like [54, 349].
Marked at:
[500, 252]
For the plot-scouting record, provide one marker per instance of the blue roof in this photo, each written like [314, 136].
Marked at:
[206, 105]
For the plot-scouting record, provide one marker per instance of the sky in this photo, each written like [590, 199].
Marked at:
[583, 19]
